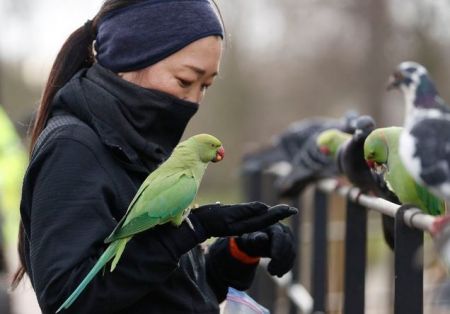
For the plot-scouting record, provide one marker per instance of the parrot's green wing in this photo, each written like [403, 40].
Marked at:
[157, 203]
[431, 204]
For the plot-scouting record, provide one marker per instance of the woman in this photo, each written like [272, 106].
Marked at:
[104, 123]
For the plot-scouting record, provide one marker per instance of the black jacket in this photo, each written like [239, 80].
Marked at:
[79, 184]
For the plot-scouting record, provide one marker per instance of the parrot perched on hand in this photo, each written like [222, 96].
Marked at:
[381, 154]
[425, 142]
[164, 196]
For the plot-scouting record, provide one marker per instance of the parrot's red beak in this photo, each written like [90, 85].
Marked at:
[220, 154]
[324, 150]
[370, 164]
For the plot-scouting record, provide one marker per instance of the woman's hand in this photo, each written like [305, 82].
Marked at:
[275, 242]
[218, 220]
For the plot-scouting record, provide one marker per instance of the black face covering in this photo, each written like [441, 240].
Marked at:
[144, 124]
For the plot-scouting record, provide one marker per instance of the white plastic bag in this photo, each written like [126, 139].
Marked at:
[239, 302]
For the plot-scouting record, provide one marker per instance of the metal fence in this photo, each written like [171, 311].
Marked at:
[410, 225]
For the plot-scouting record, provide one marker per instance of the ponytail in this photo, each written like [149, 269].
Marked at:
[75, 54]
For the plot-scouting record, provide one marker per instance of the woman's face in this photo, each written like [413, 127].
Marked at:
[185, 74]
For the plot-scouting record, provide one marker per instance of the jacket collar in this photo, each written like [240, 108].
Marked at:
[143, 124]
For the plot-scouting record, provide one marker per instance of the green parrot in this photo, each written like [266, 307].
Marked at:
[329, 141]
[381, 154]
[164, 196]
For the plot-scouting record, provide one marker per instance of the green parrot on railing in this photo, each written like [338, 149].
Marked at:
[381, 154]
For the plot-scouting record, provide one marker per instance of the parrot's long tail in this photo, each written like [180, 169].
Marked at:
[119, 250]
[104, 258]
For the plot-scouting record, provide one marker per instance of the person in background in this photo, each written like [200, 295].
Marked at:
[110, 113]
[13, 162]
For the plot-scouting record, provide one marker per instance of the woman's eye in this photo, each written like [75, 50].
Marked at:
[184, 83]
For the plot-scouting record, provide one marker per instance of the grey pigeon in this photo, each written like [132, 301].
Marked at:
[424, 145]
[309, 164]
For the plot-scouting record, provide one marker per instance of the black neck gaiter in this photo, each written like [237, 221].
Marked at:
[145, 124]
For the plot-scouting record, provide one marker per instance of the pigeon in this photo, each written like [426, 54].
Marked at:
[424, 145]
[308, 163]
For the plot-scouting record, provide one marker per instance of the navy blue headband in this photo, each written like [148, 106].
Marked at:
[140, 35]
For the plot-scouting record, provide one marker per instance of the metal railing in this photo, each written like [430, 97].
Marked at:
[410, 225]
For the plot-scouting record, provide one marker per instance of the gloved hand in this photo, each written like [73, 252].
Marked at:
[218, 220]
[276, 242]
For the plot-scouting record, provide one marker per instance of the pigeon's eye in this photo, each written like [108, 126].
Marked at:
[407, 81]
[398, 76]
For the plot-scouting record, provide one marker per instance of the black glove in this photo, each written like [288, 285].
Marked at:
[218, 220]
[276, 242]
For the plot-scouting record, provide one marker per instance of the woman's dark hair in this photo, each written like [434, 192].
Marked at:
[75, 54]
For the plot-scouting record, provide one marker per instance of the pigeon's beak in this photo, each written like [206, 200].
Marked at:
[370, 164]
[394, 82]
[220, 154]
[324, 150]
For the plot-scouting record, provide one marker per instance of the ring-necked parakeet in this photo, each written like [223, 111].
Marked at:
[425, 141]
[308, 163]
[164, 197]
[349, 154]
[348, 151]
[381, 153]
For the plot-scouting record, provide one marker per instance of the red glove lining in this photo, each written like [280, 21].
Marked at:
[241, 256]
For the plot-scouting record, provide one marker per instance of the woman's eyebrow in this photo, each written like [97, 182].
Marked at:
[198, 70]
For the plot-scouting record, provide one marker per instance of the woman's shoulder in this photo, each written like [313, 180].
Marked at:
[65, 132]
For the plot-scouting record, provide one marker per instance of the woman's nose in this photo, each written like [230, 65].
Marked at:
[194, 95]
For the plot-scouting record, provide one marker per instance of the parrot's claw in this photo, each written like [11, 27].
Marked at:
[188, 221]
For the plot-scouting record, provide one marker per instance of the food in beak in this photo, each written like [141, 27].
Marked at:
[220, 154]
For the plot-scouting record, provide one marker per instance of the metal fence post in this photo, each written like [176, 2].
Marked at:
[408, 298]
[296, 222]
[251, 181]
[263, 288]
[252, 186]
[319, 255]
[355, 258]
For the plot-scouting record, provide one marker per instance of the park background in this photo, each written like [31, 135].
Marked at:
[284, 61]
